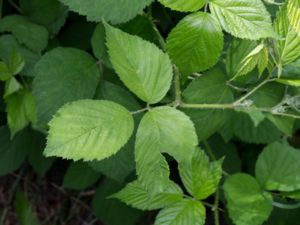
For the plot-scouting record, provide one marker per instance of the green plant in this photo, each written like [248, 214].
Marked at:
[206, 89]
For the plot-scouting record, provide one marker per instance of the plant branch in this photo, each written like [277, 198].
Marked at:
[13, 4]
[215, 208]
[178, 99]
[243, 98]
[286, 206]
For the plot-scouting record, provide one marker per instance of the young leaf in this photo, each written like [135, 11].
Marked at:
[145, 69]
[35, 37]
[289, 44]
[137, 195]
[186, 211]
[246, 202]
[11, 87]
[5, 74]
[200, 177]
[20, 111]
[9, 45]
[80, 176]
[243, 18]
[16, 63]
[89, 130]
[183, 5]
[115, 11]
[242, 57]
[63, 75]
[278, 169]
[195, 44]
[210, 88]
[294, 14]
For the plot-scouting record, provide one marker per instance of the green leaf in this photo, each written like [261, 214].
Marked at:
[89, 130]
[105, 208]
[98, 44]
[290, 82]
[11, 87]
[246, 202]
[9, 45]
[43, 12]
[199, 176]
[210, 88]
[187, 211]
[136, 195]
[37, 160]
[163, 129]
[80, 176]
[24, 210]
[13, 152]
[119, 166]
[118, 94]
[57, 83]
[145, 69]
[20, 111]
[35, 37]
[243, 18]
[16, 63]
[289, 44]
[195, 44]
[183, 5]
[277, 167]
[264, 133]
[5, 74]
[115, 11]
[294, 14]
[243, 56]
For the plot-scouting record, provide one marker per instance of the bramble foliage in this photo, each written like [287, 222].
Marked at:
[187, 107]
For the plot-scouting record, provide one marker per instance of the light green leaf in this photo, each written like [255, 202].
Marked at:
[20, 111]
[199, 176]
[35, 37]
[57, 83]
[115, 11]
[187, 211]
[145, 69]
[183, 5]
[289, 81]
[292, 194]
[163, 129]
[89, 130]
[246, 202]
[243, 18]
[195, 44]
[11, 87]
[80, 176]
[136, 195]
[262, 60]
[5, 74]
[289, 44]
[277, 167]
[294, 14]
[210, 88]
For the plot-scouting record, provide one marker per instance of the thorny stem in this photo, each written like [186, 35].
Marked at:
[13, 4]
[177, 87]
